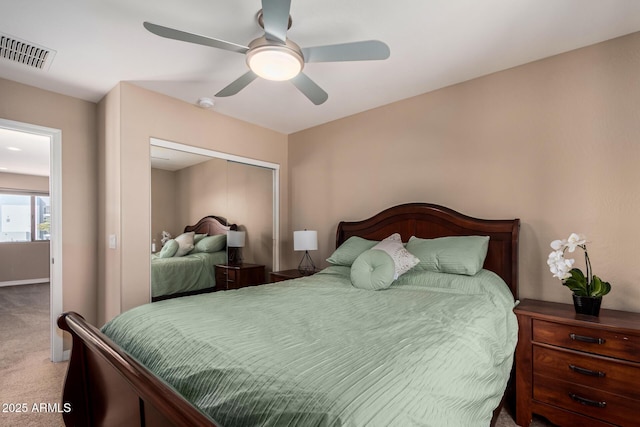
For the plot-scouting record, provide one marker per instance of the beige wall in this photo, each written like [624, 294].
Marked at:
[250, 204]
[554, 142]
[77, 120]
[140, 115]
[24, 261]
[164, 204]
[109, 206]
[15, 181]
[201, 190]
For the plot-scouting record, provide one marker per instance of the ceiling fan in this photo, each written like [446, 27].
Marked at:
[274, 57]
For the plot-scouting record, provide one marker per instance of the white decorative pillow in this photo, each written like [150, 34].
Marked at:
[185, 242]
[402, 258]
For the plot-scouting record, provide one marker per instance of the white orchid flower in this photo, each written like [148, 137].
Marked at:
[562, 270]
[559, 265]
[556, 245]
[554, 257]
[575, 240]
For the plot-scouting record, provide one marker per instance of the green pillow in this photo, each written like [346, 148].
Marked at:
[169, 249]
[373, 270]
[211, 244]
[198, 237]
[454, 255]
[349, 250]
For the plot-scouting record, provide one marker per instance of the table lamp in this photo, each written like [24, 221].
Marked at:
[306, 240]
[235, 243]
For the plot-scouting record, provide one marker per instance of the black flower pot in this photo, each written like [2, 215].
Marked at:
[587, 305]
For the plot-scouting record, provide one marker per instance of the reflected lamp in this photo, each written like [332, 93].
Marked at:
[235, 243]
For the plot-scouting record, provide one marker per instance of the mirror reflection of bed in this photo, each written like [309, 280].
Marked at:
[186, 265]
[188, 187]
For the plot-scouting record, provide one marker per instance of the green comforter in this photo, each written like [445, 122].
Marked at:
[433, 350]
[186, 273]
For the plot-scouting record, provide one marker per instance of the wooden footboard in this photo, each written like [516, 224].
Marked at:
[106, 387]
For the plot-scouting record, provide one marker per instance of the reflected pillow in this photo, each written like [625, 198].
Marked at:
[211, 244]
[198, 237]
[403, 260]
[185, 242]
[454, 255]
[349, 250]
[169, 249]
[373, 269]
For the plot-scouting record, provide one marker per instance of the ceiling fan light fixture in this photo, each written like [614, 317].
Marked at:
[274, 61]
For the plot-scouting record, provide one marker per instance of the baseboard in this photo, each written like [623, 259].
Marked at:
[66, 355]
[23, 282]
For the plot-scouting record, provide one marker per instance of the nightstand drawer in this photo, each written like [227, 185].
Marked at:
[235, 276]
[585, 400]
[592, 340]
[221, 275]
[601, 373]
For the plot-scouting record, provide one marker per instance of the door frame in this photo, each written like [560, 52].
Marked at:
[55, 242]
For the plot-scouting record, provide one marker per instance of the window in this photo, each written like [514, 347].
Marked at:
[24, 218]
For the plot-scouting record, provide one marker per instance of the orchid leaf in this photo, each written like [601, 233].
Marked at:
[576, 282]
[598, 287]
[577, 274]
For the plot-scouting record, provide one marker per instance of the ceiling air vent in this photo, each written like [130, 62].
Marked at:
[23, 52]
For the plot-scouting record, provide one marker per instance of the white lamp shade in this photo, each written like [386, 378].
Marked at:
[235, 239]
[306, 240]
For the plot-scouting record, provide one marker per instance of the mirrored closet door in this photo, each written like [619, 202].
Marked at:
[189, 183]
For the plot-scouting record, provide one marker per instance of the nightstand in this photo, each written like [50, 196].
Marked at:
[574, 369]
[279, 276]
[234, 276]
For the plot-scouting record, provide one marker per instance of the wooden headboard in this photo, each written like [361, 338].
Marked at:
[429, 221]
[211, 225]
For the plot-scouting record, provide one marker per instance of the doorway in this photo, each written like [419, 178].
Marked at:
[55, 240]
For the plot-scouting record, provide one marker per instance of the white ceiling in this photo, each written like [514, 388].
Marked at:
[174, 160]
[434, 43]
[24, 153]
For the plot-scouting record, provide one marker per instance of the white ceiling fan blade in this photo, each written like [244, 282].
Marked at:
[275, 17]
[171, 33]
[238, 84]
[310, 89]
[356, 51]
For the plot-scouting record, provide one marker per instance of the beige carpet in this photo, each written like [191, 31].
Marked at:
[29, 379]
[29, 382]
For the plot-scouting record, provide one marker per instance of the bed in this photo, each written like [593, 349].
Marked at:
[193, 273]
[328, 369]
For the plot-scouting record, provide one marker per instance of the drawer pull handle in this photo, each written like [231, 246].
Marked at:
[587, 402]
[590, 340]
[589, 372]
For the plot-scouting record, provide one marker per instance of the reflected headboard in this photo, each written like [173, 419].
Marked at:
[429, 221]
[211, 225]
